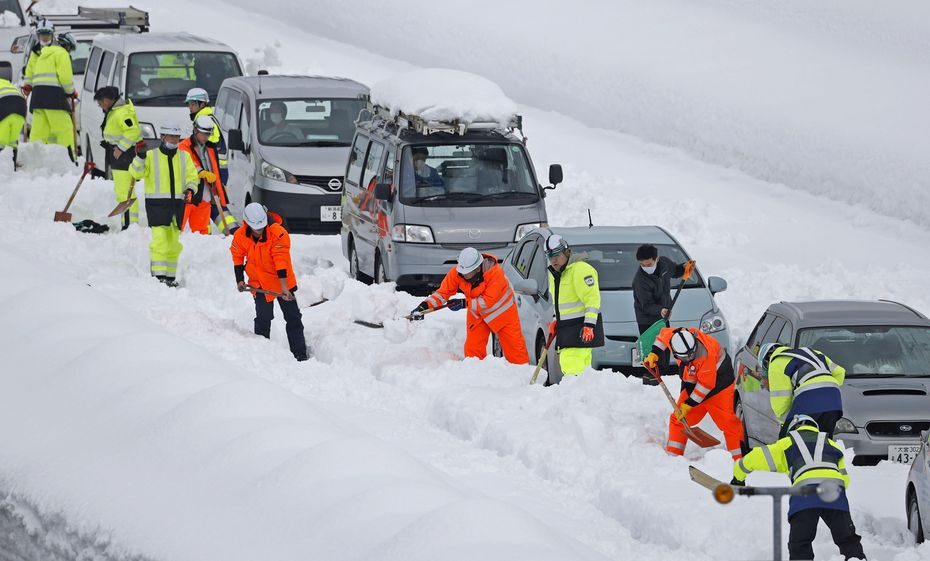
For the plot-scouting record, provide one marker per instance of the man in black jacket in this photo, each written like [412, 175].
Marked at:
[652, 284]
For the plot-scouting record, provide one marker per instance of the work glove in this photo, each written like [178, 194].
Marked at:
[587, 334]
[209, 176]
[737, 483]
[73, 95]
[417, 313]
[242, 286]
[141, 148]
[27, 89]
[651, 361]
[683, 410]
[689, 268]
[456, 304]
[552, 328]
[188, 196]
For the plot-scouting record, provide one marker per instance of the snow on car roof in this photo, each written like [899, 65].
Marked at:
[439, 94]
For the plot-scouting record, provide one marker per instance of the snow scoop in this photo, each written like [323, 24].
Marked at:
[648, 338]
[409, 317]
[124, 205]
[542, 358]
[64, 215]
[263, 291]
[697, 435]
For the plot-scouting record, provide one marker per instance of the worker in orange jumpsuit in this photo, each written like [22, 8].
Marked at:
[492, 306]
[202, 207]
[706, 386]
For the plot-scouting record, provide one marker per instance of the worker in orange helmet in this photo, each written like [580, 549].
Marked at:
[491, 305]
[706, 386]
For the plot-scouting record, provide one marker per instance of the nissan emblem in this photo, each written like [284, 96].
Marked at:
[335, 184]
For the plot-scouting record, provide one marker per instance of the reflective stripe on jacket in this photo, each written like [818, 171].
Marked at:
[211, 164]
[793, 372]
[12, 101]
[489, 301]
[154, 169]
[700, 376]
[121, 126]
[50, 75]
[267, 258]
[577, 301]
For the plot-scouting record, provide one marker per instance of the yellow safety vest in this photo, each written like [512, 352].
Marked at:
[121, 127]
[783, 389]
[154, 169]
[51, 67]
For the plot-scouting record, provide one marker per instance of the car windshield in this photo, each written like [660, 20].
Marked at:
[466, 175]
[870, 351]
[163, 78]
[13, 7]
[616, 264]
[307, 122]
[79, 57]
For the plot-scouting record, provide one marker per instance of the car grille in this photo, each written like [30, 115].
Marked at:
[321, 181]
[309, 226]
[897, 428]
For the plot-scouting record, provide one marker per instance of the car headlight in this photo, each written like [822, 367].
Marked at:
[276, 173]
[148, 130]
[524, 229]
[412, 233]
[712, 322]
[844, 425]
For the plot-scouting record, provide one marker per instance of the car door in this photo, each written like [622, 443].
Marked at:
[749, 379]
[353, 196]
[767, 426]
[526, 304]
[369, 207]
[91, 115]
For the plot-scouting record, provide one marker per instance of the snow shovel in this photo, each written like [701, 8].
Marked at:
[263, 291]
[542, 358]
[646, 340]
[407, 317]
[694, 434]
[124, 205]
[219, 209]
[64, 215]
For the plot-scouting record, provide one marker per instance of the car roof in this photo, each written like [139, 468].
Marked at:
[295, 86]
[612, 234]
[848, 312]
[147, 42]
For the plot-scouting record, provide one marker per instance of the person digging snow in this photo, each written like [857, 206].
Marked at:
[262, 249]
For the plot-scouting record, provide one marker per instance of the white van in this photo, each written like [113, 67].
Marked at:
[12, 26]
[154, 71]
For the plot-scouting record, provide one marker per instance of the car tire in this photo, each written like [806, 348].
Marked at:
[496, 349]
[354, 269]
[913, 517]
[380, 275]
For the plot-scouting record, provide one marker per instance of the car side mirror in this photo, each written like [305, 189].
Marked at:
[555, 175]
[716, 284]
[383, 191]
[528, 287]
[235, 140]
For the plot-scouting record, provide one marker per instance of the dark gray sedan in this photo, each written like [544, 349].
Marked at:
[885, 348]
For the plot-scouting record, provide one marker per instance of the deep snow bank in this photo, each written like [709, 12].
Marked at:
[131, 433]
[824, 96]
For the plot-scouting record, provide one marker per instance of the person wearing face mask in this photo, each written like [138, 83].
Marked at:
[578, 327]
[121, 133]
[170, 175]
[49, 84]
[707, 386]
[198, 104]
[202, 206]
[491, 303]
[281, 131]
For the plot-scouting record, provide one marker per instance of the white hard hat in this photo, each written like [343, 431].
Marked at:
[555, 245]
[197, 94]
[684, 345]
[802, 420]
[765, 353]
[204, 123]
[469, 260]
[255, 216]
[170, 128]
[45, 26]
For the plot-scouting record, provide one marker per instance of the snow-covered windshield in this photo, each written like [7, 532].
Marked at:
[616, 264]
[466, 175]
[307, 122]
[163, 78]
[873, 350]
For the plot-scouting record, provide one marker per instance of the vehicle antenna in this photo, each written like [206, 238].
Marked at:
[590, 222]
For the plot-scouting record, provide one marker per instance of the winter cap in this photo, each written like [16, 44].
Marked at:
[197, 94]
[107, 92]
[647, 251]
[555, 245]
[170, 128]
[203, 124]
[802, 420]
[684, 345]
[469, 260]
[255, 216]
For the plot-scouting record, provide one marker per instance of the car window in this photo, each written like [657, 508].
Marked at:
[873, 351]
[323, 122]
[524, 257]
[245, 126]
[163, 78]
[755, 337]
[372, 164]
[539, 268]
[388, 176]
[231, 107]
[774, 330]
[80, 57]
[93, 63]
[106, 67]
[616, 263]
[219, 109]
[356, 160]
[784, 338]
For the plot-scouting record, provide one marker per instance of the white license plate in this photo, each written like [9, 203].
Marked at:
[903, 454]
[636, 359]
[330, 213]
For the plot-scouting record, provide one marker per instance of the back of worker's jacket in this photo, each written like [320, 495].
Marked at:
[50, 74]
[488, 301]
[266, 260]
[808, 457]
[702, 377]
[120, 129]
[167, 174]
[12, 101]
[577, 302]
[795, 374]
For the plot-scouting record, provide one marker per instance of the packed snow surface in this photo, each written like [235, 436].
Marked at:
[438, 94]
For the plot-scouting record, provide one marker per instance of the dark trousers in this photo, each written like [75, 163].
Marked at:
[804, 528]
[826, 421]
[264, 313]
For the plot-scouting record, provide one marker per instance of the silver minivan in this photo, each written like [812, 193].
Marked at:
[288, 139]
[417, 194]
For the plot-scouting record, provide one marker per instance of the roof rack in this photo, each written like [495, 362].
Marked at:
[128, 18]
[456, 126]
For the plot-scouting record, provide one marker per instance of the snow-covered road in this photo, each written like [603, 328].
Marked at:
[580, 464]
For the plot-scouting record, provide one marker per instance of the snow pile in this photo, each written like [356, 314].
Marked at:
[9, 19]
[438, 94]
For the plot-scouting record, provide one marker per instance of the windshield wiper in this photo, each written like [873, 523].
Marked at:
[323, 143]
[501, 195]
[443, 196]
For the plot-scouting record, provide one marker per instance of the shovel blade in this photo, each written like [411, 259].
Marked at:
[369, 324]
[61, 216]
[121, 208]
[701, 437]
